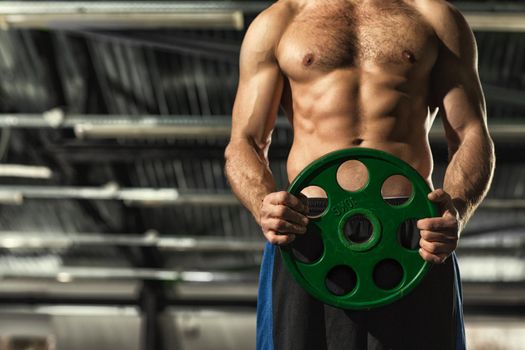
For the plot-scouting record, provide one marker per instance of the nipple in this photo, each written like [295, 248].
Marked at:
[409, 56]
[308, 59]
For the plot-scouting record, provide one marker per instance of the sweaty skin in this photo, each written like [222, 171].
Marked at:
[367, 73]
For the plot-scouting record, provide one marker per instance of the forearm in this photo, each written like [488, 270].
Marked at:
[249, 175]
[469, 173]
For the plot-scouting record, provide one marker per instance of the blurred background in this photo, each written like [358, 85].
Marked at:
[117, 227]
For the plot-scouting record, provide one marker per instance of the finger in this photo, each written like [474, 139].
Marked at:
[437, 248]
[279, 239]
[445, 223]
[432, 258]
[285, 198]
[283, 226]
[288, 214]
[432, 236]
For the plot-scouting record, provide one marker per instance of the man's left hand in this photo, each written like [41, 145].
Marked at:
[439, 235]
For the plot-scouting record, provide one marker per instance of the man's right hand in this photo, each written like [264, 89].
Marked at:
[282, 216]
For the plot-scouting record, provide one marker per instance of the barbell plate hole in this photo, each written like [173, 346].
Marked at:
[316, 199]
[309, 247]
[358, 229]
[388, 274]
[352, 175]
[396, 190]
[408, 235]
[341, 280]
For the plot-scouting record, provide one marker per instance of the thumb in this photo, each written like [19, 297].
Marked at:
[441, 198]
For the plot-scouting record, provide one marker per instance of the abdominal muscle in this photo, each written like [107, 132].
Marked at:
[309, 149]
[379, 107]
[403, 136]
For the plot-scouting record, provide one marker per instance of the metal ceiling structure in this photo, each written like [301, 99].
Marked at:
[119, 117]
[111, 149]
[195, 14]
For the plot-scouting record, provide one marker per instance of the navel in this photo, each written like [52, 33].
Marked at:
[308, 59]
[357, 141]
[409, 56]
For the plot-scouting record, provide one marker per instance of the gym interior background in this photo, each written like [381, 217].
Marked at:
[117, 227]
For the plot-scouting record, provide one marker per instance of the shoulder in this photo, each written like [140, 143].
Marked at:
[444, 15]
[450, 26]
[273, 20]
[281, 9]
[265, 31]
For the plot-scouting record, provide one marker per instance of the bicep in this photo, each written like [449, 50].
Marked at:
[456, 87]
[256, 104]
[259, 90]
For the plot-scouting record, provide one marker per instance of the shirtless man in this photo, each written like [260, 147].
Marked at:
[360, 73]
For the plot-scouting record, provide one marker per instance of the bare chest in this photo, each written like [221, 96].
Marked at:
[341, 34]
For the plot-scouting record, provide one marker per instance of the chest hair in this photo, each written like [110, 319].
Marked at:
[342, 33]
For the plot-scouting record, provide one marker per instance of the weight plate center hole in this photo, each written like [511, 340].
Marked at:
[341, 280]
[352, 175]
[358, 229]
[397, 190]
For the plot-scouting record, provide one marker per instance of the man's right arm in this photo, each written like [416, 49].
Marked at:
[254, 114]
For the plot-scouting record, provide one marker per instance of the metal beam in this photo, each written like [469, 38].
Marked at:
[511, 240]
[499, 131]
[113, 14]
[229, 20]
[25, 171]
[496, 22]
[124, 126]
[33, 240]
[185, 126]
[136, 7]
[61, 240]
[147, 128]
[162, 196]
[133, 196]
[474, 268]
[477, 268]
[70, 274]
[503, 203]
[119, 15]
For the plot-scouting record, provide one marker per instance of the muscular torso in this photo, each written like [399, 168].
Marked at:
[357, 74]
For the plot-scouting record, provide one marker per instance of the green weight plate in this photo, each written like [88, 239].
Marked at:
[356, 266]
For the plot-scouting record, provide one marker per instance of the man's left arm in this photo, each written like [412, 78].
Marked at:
[456, 90]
